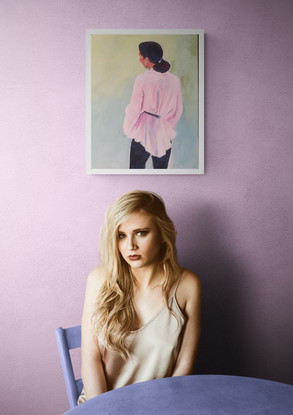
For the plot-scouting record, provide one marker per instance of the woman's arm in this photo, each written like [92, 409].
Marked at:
[134, 108]
[177, 109]
[92, 372]
[189, 300]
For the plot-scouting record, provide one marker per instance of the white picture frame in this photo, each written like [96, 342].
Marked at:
[112, 64]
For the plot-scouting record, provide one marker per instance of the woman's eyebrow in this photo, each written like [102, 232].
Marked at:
[136, 230]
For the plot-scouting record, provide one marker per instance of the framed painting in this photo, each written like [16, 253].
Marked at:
[145, 101]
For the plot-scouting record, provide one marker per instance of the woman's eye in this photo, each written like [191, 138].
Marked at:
[142, 233]
[121, 235]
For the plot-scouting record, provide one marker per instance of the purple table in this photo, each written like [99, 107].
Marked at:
[196, 395]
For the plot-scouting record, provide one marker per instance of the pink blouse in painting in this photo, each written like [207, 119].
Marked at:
[154, 110]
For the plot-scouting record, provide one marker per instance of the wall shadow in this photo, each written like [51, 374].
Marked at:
[209, 252]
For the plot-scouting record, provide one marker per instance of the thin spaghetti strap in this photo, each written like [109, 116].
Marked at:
[178, 282]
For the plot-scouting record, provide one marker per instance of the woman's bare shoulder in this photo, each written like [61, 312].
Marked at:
[96, 278]
[189, 288]
[189, 277]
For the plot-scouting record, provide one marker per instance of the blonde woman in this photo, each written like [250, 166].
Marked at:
[141, 317]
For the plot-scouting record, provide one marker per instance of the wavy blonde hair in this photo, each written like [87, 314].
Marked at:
[115, 315]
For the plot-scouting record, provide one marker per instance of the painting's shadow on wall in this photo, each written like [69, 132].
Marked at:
[210, 252]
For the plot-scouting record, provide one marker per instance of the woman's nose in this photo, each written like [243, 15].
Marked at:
[132, 243]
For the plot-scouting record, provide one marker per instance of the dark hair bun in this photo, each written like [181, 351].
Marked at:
[162, 66]
[154, 52]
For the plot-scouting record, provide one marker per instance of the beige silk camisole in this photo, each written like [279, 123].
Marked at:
[154, 349]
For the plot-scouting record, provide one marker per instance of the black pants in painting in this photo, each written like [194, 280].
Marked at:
[139, 156]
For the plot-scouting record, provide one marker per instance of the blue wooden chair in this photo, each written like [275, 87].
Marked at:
[68, 339]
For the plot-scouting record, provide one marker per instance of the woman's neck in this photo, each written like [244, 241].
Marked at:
[148, 277]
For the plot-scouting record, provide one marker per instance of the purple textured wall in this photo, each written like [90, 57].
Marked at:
[234, 223]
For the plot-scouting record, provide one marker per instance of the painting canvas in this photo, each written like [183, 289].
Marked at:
[113, 64]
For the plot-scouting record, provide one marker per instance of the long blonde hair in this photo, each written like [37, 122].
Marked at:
[115, 314]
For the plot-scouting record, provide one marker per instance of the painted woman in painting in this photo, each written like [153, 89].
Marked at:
[154, 110]
[142, 311]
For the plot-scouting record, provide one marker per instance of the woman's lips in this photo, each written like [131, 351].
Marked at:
[134, 257]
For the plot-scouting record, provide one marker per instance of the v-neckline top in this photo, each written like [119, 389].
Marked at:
[171, 299]
[154, 349]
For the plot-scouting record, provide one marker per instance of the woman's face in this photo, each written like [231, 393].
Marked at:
[141, 58]
[146, 63]
[139, 240]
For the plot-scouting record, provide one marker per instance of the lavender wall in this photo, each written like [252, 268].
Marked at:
[234, 222]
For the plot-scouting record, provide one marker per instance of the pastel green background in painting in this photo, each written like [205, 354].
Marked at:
[114, 67]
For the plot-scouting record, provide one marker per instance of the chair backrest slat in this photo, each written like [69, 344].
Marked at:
[79, 386]
[73, 335]
[68, 339]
